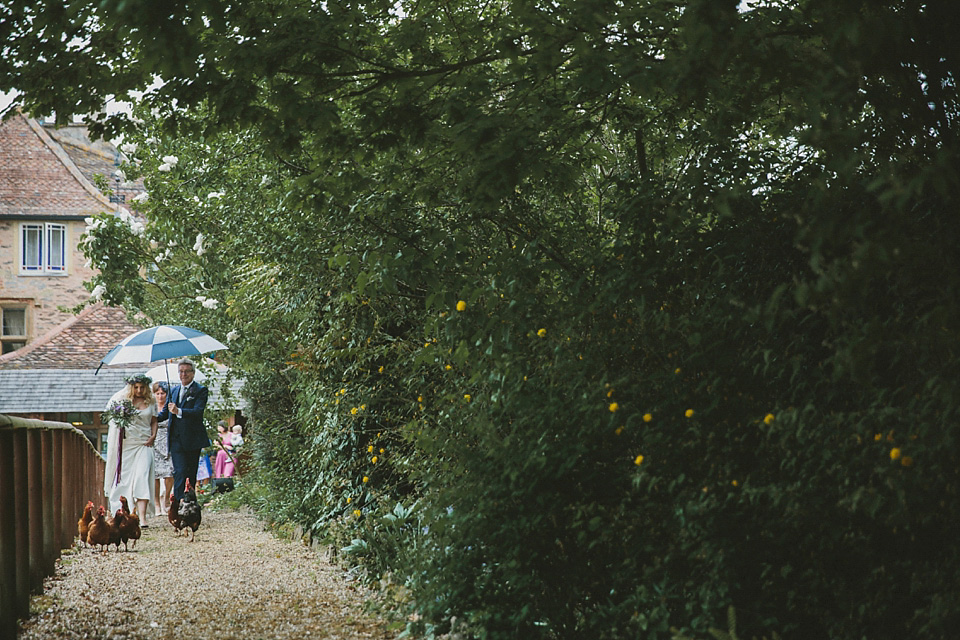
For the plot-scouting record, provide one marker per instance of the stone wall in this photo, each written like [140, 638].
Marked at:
[39, 183]
[45, 292]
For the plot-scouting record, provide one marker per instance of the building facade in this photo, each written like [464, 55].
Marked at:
[46, 190]
[49, 362]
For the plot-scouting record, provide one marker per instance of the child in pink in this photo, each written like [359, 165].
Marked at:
[223, 466]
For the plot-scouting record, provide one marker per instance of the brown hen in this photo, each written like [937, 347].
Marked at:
[83, 524]
[100, 531]
[130, 526]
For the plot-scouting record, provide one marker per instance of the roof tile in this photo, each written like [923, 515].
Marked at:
[78, 343]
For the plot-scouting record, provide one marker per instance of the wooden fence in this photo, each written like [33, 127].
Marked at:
[48, 472]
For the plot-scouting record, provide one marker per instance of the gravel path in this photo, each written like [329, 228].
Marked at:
[235, 581]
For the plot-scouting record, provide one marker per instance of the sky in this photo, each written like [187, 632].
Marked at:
[5, 99]
[112, 107]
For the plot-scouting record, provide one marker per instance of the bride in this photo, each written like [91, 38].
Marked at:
[129, 470]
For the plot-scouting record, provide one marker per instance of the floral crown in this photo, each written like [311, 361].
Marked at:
[139, 377]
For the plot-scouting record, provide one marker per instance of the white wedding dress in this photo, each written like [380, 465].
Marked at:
[136, 469]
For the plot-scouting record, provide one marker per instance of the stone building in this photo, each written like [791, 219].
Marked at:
[50, 358]
[46, 190]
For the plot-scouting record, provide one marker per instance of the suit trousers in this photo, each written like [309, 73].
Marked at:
[185, 463]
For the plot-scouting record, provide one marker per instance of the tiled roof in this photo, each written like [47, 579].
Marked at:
[78, 343]
[58, 372]
[56, 390]
[38, 178]
[81, 390]
[94, 158]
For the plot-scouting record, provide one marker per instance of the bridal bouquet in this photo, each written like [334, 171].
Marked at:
[120, 412]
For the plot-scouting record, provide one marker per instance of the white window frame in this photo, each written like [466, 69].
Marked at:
[42, 237]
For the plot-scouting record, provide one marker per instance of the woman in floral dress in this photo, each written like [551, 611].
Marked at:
[162, 463]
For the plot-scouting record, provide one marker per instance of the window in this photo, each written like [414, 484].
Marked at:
[79, 420]
[13, 328]
[43, 248]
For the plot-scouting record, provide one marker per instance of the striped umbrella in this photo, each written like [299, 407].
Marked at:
[161, 343]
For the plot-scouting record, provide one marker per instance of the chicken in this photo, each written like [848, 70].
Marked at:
[173, 514]
[129, 526]
[189, 511]
[115, 523]
[100, 530]
[83, 524]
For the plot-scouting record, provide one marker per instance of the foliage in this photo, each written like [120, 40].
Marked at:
[647, 307]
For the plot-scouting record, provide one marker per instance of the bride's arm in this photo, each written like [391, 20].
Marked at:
[153, 431]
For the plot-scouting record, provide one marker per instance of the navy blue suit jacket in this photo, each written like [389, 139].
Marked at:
[186, 431]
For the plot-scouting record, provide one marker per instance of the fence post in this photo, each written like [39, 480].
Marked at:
[60, 526]
[35, 510]
[22, 534]
[92, 481]
[8, 546]
[67, 484]
[80, 479]
[88, 471]
[51, 519]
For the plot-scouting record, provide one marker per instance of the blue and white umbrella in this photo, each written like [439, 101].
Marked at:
[161, 343]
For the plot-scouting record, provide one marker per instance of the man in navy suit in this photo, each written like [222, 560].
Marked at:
[186, 435]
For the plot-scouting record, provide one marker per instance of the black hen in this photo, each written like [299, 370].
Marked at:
[189, 511]
[173, 514]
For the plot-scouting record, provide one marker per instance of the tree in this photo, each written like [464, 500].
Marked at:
[705, 354]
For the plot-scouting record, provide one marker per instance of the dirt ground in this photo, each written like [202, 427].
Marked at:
[235, 581]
